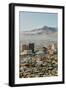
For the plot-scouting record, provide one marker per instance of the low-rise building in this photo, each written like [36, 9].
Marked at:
[45, 50]
[26, 52]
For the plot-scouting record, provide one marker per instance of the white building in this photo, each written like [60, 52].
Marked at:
[25, 52]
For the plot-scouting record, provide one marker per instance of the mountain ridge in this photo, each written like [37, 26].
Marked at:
[44, 29]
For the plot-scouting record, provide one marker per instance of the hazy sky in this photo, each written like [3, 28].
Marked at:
[33, 20]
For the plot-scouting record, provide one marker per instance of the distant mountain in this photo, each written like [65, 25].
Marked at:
[45, 29]
[41, 36]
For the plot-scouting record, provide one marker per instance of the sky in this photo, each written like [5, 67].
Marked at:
[32, 20]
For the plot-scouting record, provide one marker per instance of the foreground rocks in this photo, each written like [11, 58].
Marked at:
[38, 66]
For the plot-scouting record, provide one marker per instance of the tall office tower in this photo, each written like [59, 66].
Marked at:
[31, 47]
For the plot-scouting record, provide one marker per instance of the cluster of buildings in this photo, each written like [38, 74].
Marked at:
[37, 65]
[29, 49]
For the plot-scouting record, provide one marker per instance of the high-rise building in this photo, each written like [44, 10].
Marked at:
[24, 47]
[31, 47]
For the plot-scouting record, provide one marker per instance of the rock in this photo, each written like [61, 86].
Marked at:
[39, 62]
[38, 66]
